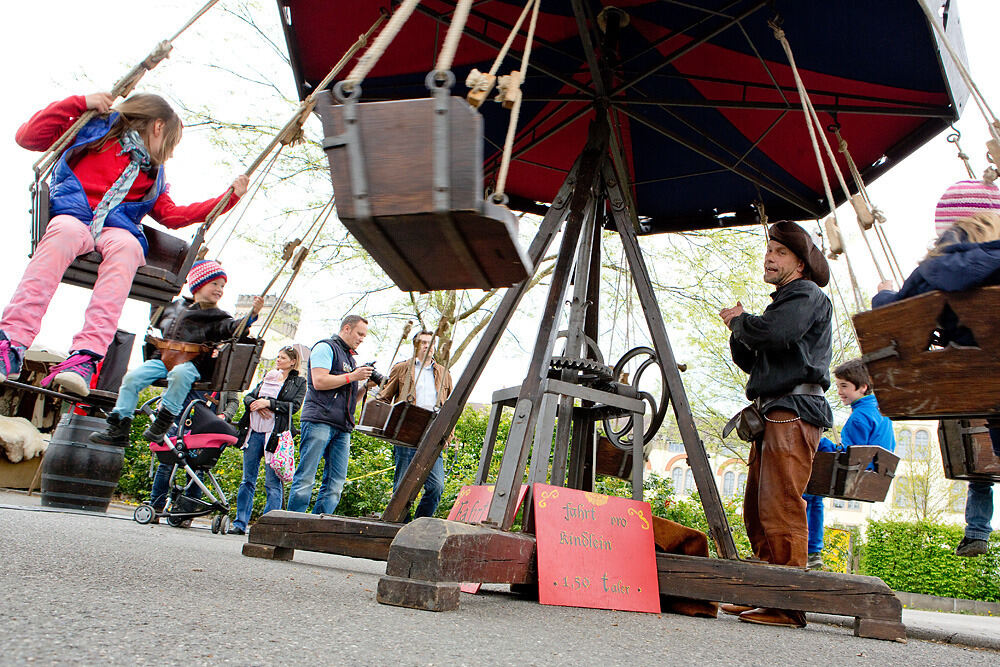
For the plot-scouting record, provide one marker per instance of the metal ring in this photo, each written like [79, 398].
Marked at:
[345, 90]
[501, 199]
[439, 79]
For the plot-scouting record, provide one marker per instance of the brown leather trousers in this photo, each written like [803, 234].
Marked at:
[773, 509]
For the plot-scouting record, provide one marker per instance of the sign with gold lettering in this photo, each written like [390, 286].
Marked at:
[594, 551]
[472, 506]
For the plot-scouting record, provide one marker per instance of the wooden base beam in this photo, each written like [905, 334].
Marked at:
[877, 611]
[429, 557]
[360, 538]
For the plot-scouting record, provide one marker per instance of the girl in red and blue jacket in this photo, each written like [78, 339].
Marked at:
[103, 185]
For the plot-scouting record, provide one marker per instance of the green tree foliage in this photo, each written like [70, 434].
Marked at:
[919, 557]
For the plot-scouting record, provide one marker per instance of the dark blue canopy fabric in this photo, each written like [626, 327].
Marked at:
[699, 93]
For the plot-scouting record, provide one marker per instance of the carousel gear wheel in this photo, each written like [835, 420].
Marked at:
[590, 371]
[621, 436]
[593, 352]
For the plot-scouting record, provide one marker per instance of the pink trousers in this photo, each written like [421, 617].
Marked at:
[65, 239]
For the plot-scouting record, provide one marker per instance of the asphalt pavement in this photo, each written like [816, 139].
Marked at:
[85, 589]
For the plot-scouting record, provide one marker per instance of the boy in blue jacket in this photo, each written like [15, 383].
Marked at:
[865, 426]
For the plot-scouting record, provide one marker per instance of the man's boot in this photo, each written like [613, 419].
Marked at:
[116, 434]
[160, 426]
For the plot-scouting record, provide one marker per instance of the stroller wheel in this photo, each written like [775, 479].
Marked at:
[144, 514]
[216, 523]
[223, 523]
[175, 521]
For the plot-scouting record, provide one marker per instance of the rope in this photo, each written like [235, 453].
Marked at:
[515, 112]
[122, 88]
[510, 38]
[813, 124]
[369, 474]
[878, 216]
[371, 57]
[954, 138]
[458, 19]
[258, 182]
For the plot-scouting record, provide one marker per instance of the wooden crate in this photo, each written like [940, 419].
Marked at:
[400, 423]
[859, 473]
[914, 381]
[470, 244]
[967, 451]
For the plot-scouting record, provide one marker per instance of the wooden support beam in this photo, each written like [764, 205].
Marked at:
[877, 611]
[359, 538]
[430, 557]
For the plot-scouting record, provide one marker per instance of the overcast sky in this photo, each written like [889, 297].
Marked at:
[54, 48]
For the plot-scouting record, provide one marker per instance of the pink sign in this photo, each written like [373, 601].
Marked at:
[594, 551]
[471, 506]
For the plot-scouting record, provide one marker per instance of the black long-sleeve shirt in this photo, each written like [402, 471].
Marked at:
[789, 344]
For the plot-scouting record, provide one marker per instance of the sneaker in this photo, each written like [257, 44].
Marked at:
[970, 547]
[11, 356]
[74, 374]
[815, 561]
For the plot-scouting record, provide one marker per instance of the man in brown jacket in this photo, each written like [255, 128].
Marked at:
[427, 385]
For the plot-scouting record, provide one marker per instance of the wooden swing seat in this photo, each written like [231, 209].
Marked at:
[858, 473]
[914, 378]
[428, 231]
[967, 452]
[157, 283]
[400, 423]
[234, 367]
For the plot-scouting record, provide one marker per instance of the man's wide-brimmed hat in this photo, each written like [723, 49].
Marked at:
[796, 239]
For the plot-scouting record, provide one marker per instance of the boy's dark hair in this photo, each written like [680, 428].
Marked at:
[422, 332]
[351, 321]
[855, 372]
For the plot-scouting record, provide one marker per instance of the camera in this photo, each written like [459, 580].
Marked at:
[376, 377]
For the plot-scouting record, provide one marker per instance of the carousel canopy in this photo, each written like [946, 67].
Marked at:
[699, 94]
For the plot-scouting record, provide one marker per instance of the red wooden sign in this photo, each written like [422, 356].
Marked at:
[594, 551]
[471, 506]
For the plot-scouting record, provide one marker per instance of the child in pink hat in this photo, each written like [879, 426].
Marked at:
[198, 320]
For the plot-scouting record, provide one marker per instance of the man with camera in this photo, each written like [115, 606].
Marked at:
[786, 350]
[427, 385]
[334, 382]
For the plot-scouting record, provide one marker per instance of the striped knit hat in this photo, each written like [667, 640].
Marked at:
[964, 199]
[203, 272]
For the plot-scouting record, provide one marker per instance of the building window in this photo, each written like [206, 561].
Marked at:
[689, 481]
[854, 505]
[729, 484]
[921, 445]
[838, 504]
[903, 444]
[901, 498]
[675, 447]
[741, 482]
[676, 476]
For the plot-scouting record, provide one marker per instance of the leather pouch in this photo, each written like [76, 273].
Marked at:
[748, 422]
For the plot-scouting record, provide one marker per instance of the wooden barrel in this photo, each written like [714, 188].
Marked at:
[77, 474]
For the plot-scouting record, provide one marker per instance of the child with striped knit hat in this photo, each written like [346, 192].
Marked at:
[189, 327]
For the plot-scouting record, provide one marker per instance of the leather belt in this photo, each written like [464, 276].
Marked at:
[804, 389]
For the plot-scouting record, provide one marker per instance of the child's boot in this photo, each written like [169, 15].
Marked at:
[74, 374]
[116, 434]
[160, 426]
[11, 356]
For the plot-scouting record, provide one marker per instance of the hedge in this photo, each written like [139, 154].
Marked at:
[919, 557]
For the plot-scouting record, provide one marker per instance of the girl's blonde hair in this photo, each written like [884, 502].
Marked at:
[138, 113]
[978, 228]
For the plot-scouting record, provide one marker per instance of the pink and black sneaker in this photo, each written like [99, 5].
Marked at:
[11, 356]
[74, 374]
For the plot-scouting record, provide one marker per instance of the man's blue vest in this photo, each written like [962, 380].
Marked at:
[66, 195]
[332, 406]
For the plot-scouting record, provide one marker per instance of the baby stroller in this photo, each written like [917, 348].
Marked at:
[200, 440]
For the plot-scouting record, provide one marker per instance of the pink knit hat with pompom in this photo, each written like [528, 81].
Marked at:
[964, 199]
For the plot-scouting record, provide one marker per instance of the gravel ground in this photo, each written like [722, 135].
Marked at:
[91, 589]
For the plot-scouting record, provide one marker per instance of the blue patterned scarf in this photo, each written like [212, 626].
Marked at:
[139, 161]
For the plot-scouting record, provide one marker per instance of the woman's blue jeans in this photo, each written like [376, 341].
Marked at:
[273, 488]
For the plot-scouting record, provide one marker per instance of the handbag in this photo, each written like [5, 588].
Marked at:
[282, 461]
[748, 422]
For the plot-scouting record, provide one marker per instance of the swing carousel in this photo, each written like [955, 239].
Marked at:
[638, 117]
